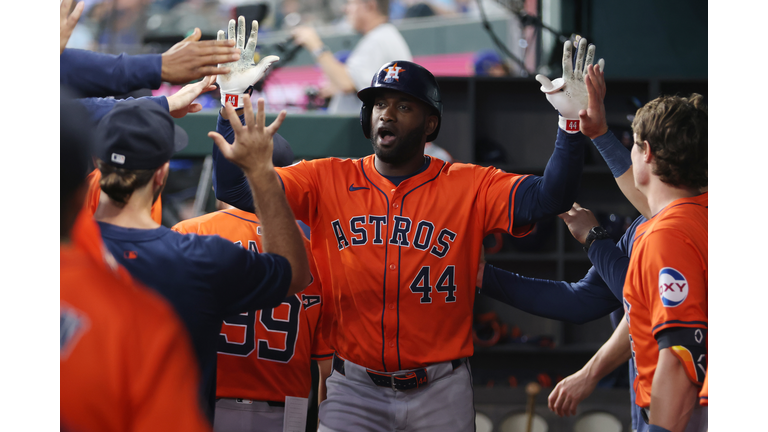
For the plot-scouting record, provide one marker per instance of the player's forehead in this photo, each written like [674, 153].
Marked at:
[394, 95]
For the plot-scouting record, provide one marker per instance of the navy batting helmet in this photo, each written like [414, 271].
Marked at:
[406, 77]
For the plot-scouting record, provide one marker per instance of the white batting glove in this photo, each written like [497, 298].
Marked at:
[569, 94]
[244, 73]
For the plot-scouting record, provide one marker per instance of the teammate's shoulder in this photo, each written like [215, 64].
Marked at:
[343, 162]
[192, 225]
[321, 165]
[685, 216]
[468, 169]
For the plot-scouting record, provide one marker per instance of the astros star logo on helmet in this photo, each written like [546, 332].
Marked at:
[393, 73]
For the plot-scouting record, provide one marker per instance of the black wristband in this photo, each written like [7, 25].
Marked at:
[596, 233]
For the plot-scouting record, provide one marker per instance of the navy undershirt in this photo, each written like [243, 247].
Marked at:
[596, 295]
[396, 180]
[205, 278]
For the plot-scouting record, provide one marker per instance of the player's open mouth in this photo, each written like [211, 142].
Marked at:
[386, 137]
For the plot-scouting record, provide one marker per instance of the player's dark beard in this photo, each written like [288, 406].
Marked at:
[406, 149]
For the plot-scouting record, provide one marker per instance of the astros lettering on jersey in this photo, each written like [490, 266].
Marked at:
[400, 262]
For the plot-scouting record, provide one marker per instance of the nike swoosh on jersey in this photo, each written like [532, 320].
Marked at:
[352, 188]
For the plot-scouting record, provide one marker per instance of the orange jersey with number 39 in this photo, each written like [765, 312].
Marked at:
[667, 286]
[264, 355]
[401, 261]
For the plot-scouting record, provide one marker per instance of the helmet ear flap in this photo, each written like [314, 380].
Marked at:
[365, 119]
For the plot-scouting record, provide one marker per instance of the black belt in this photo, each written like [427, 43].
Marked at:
[646, 414]
[404, 381]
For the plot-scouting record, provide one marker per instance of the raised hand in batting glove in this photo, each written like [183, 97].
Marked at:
[569, 94]
[244, 73]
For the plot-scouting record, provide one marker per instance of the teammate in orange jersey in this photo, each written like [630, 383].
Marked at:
[268, 359]
[126, 361]
[400, 233]
[665, 290]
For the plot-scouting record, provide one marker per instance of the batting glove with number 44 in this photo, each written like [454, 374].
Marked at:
[569, 94]
[244, 73]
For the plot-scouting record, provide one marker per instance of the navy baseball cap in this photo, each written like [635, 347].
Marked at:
[138, 134]
[282, 153]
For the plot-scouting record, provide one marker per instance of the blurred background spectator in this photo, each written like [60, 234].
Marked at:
[380, 44]
[489, 63]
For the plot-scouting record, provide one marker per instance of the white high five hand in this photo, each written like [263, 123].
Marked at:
[243, 73]
[569, 94]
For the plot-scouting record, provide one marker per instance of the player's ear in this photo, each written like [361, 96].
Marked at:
[432, 122]
[647, 153]
[161, 174]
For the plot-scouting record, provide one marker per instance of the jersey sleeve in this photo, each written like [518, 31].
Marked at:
[321, 350]
[496, 201]
[674, 281]
[299, 183]
[248, 280]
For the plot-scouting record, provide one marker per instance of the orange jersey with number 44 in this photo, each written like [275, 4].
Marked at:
[401, 261]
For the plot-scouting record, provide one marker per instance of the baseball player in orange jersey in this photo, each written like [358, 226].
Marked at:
[126, 361]
[666, 287]
[265, 355]
[268, 359]
[400, 234]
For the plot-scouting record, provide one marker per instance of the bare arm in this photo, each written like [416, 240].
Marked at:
[626, 183]
[594, 125]
[332, 68]
[574, 389]
[324, 367]
[673, 395]
[252, 152]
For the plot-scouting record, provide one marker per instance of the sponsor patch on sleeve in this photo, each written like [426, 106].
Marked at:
[673, 287]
